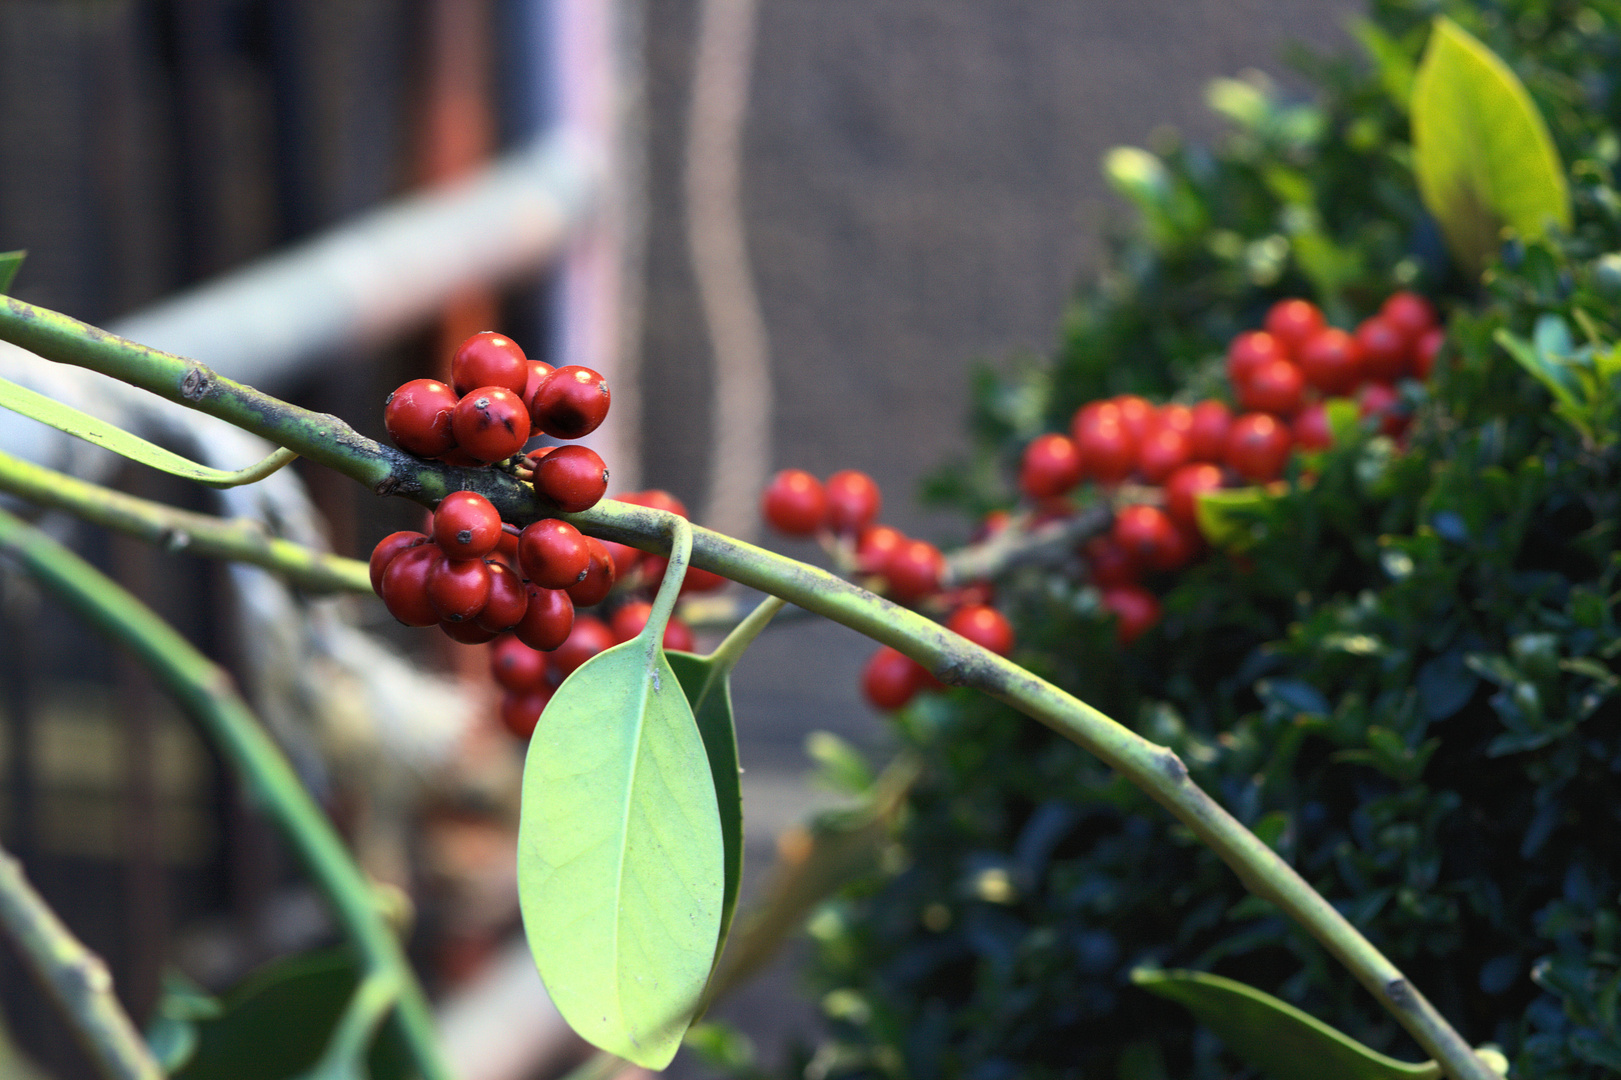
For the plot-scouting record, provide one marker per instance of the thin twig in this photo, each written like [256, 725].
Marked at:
[76, 977]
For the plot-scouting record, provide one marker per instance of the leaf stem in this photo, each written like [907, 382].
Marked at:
[239, 540]
[76, 977]
[730, 650]
[205, 690]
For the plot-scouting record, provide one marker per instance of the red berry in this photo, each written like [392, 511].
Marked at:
[491, 423]
[537, 374]
[1150, 538]
[1164, 451]
[1136, 416]
[488, 359]
[1292, 322]
[1311, 428]
[1275, 387]
[521, 712]
[632, 618]
[405, 585]
[1108, 563]
[1331, 360]
[699, 580]
[388, 547]
[1108, 452]
[1408, 312]
[1134, 608]
[625, 559]
[1258, 447]
[466, 525]
[459, 588]
[418, 418]
[984, 626]
[1424, 349]
[891, 678]
[1174, 417]
[657, 499]
[517, 667]
[508, 600]
[876, 545]
[599, 574]
[589, 637]
[794, 503]
[572, 477]
[1207, 436]
[547, 619]
[1385, 350]
[507, 547]
[570, 402]
[553, 554]
[467, 633]
[914, 570]
[1182, 492]
[853, 501]
[990, 525]
[1249, 351]
[1051, 466]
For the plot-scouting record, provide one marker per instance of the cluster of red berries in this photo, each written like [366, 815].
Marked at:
[844, 512]
[1281, 377]
[474, 576]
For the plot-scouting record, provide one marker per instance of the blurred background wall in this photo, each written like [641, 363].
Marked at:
[920, 192]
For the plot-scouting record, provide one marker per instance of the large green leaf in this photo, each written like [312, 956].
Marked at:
[82, 425]
[1481, 150]
[1279, 1039]
[621, 864]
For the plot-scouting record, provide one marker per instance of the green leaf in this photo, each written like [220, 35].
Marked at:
[1394, 64]
[10, 263]
[276, 1023]
[1227, 516]
[1277, 1038]
[1481, 150]
[621, 864]
[36, 406]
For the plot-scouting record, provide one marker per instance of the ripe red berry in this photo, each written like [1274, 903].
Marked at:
[572, 477]
[625, 559]
[984, 626]
[1249, 351]
[491, 423]
[1408, 312]
[1424, 350]
[853, 501]
[699, 580]
[418, 418]
[388, 547]
[1183, 488]
[876, 545]
[891, 678]
[1275, 387]
[1149, 536]
[405, 585]
[1311, 429]
[1385, 350]
[1207, 435]
[1135, 611]
[488, 359]
[914, 571]
[631, 619]
[794, 503]
[508, 600]
[1292, 322]
[599, 573]
[466, 525]
[553, 554]
[1164, 451]
[589, 637]
[517, 667]
[1331, 360]
[459, 588]
[1258, 447]
[570, 402]
[1136, 416]
[521, 712]
[1173, 416]
[537, 374]
[1050, 467]
[1108, 563]
[548, 618]
[467, 633]
[1108, 451]
[506, 548]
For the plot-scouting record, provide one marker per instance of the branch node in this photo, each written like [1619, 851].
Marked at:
[1172, 766]
[1400, 993]
[194, 385]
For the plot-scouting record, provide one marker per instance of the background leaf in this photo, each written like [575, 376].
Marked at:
[1481, 151]
[621, 871]
[10, 263]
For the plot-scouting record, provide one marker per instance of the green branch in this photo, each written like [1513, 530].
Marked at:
[175, 530]
[76, 977]
[1154, 769]
[205, 690]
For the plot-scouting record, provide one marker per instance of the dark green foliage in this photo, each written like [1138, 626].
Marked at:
[1408, 687]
